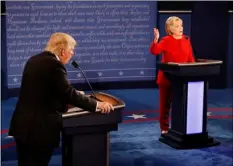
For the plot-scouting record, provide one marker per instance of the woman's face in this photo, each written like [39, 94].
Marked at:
[177, 28]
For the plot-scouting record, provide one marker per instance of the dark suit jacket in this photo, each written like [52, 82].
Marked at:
[44, 95]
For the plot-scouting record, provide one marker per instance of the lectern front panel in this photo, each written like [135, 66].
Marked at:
[195, 106]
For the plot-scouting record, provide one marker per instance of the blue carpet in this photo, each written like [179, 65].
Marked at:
[136, 143]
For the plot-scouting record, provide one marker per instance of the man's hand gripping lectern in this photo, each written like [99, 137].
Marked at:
[85, 136]
[189, 103]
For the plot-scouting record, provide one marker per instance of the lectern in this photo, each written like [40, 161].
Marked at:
[85, 135]
[189, 103]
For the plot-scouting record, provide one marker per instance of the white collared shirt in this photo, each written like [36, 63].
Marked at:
[57, 57]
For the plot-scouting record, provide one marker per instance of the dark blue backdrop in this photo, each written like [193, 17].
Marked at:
[230, 53]
[113, 37]
[186, 17]
[210, 36]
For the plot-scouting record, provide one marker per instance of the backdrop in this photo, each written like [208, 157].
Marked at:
[113, 39]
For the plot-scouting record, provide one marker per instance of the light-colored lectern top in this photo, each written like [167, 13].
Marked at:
[197, 63]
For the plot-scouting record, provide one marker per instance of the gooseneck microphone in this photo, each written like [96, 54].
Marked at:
[76, 65]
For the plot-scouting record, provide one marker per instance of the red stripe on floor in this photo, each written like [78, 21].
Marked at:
[138, 112]
[4, 131]
[152, 111]
[141, 120]
[220, 109]
[133, 121]
[221, 117]
[155, 119]
[8, 145]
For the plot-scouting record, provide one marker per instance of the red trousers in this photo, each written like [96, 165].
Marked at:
[165, 97]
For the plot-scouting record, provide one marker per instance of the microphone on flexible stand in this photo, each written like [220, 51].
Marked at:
[76, 65]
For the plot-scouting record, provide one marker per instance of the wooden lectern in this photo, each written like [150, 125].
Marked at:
[85, 135]
[189, 103]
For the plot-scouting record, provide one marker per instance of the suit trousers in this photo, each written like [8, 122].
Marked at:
[31, 155]
[165, 97]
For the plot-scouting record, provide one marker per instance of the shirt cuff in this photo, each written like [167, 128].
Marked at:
[96, 106]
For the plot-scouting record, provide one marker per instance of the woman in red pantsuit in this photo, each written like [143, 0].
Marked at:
[175, 47]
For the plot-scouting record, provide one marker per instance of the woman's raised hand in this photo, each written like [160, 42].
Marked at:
[156, 35]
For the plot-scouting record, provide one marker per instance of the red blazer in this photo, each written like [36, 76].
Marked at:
[173, 50]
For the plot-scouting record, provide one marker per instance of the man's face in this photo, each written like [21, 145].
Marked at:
[67, 54]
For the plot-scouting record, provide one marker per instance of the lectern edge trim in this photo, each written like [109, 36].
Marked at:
[81, 112]
[87, 112]
[196, 64]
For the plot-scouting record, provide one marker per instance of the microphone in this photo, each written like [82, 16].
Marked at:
[76, 65]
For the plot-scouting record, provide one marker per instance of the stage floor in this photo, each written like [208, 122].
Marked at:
[136, 142]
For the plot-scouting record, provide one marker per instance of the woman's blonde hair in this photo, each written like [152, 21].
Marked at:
[170, 22]
[58, 41]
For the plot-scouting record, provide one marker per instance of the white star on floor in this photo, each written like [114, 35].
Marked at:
[9, 137]
[135, 116]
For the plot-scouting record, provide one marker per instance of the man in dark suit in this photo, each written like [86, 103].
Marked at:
[44, 95]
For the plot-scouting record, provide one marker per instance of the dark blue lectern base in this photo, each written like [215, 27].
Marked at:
[188, 142]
